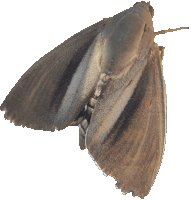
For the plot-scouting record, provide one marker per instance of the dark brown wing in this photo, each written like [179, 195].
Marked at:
[129, 144]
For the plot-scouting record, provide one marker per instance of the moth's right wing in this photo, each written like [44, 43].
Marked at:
[56, 88]
[126, 134]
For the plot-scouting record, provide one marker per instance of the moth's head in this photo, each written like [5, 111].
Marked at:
[146, 6]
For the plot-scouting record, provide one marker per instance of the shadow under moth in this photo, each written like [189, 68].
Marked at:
[108, 80]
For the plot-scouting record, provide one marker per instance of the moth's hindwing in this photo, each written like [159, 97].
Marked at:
[128, 142]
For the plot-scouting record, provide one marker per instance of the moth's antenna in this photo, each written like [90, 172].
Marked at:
[169, 30]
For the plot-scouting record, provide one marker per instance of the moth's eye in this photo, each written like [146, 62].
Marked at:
[145, 28]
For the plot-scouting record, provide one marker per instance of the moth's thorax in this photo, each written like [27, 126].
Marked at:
[128, 36]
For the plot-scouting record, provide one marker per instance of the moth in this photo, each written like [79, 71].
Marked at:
[108, 80]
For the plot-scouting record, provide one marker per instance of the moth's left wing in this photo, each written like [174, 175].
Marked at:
[128, 142]
[55, 89]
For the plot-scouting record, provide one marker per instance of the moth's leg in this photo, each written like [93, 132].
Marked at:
[79, 118]
[91, 105]
[82, 139]
[82, 133]
[102, 80]
[85, 116]
[88, 110]
[83, 126]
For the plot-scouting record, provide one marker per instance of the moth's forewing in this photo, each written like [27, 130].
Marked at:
[131, 148]
[55, 89]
